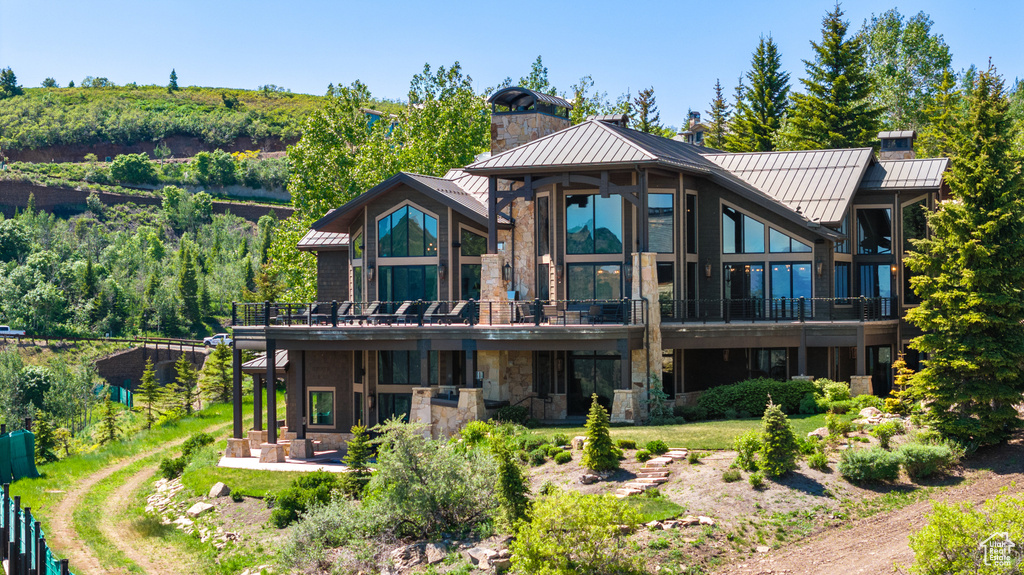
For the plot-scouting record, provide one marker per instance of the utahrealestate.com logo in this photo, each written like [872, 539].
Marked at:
[999, 551]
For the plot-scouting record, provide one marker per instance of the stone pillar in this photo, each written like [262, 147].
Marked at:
[626, 406]
[301, 449]
[492, 364]
[420, 410]
[257, 438]
[861, 385]
[646, 361]
[524, 264]
[237, 447]
[492, 287]
[272, 453]
[471, 405]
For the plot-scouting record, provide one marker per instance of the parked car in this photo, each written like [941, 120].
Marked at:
[215, 340]
[6, 331]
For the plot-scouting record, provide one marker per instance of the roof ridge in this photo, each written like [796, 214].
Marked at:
[789, 151]
[615, 130]
[531, 142]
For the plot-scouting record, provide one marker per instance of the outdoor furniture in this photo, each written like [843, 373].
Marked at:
[455, 315]
[360, 313]
[387, 318]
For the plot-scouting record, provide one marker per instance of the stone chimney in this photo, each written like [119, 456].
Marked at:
[520, 115]
[897, 145]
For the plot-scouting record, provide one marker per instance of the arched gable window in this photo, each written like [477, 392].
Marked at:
[407, 232]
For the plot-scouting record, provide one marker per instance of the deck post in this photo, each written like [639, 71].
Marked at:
[271, 392]
[236, 389]
[257, 402]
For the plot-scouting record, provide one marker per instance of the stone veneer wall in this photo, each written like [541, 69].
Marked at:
[443, 421]
[524, 263]
[511, 130]
[646, 363]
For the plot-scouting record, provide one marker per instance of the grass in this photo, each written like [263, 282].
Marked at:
[248, 482]
[716, 434]
[655, 508]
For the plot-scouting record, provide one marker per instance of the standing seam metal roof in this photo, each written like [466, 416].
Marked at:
[905, 174]
[316, 240]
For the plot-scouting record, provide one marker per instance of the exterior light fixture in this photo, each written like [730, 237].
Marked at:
[442, 270]
[506, 272]
[707, 269]
[820, 268]
[558, 272]
[369, 273]
[725, 354]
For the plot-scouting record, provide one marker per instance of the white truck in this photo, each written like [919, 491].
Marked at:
[6, 331]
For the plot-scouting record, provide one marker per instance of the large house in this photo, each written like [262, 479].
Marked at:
[575, 260]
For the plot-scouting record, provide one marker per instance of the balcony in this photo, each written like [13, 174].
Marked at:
[781, 310]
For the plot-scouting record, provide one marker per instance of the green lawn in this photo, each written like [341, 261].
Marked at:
[697, 435]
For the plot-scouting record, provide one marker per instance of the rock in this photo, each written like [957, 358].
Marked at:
[219, 490]
[653, 525]
[705, 520]
[501, 564]
[763, 549]
[578, 441]
[436, 552]
[504, 553]
[870, 412]
[689, 520]
[482, 556]
[408, 556]
[588, 478]
[821, 432]
[198, 509]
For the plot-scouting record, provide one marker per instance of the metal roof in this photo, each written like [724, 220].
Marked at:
[259, 365]
[516, 97]
[316, 241]
[475, 186]
[618, 119]
[895, 134]
[817, 183]
[905, 174]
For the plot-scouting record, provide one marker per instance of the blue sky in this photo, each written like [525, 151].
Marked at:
[679, 48]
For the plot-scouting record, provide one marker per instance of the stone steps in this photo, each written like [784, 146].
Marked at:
[677, 455]
[646, 474]
[626, 492]
[651, 480]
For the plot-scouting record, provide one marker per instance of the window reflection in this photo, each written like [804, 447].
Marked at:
[874, 231]
[741, 234]
[593, 224]
[407, 232]
[660, 219]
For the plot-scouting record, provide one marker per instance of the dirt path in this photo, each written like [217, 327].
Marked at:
[61, 533]
[878, 544]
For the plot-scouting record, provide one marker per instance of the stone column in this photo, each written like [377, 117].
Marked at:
[471, 405]
[861, 385]
[420, 410]
[525, 260]
[626, 406]
[646, 361]
[492, 364]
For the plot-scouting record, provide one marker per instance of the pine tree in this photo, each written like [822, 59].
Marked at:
[760, 107]
[88, 281]
[248, 275]
[205, 305]
[513, 489]
[357, 459]
[218, 380]
[943, 120]
[647, 116]
[968, 275]
[188, 285]
[108, 427]
[836, 111]
[779, 447]
[9, 84]
[149, 392]
[599, 452]
[173, 85]
[718, 127]
[30, 206]
[45, 439]
[185, 389]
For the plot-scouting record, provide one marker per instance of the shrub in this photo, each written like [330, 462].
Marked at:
[575, 533]
[690, 412]
[547, 488]
[886, 431]
[751, 396]
[817, 460]
[836, 425]
[643, 456]
[866, 400]
[172, 467]
[921, 460]
[731, 475]
[808, 445]
[778, 448]
[357, 458]
[840, 407]
[513, 489]
[895, 406]
[237, 496]
[625, 444]
[563, 457]
[873, 464]
[194, 443]
[475, 433]
[554, 450]
[307, 490]
[657, 446]
[808, 404]
[133, 169]
[832, 390]
[747, 447]
[694, 457]
[560, 439]
[599, 454]
[949, 541]
[928, 436]
[512, 414]
[538, 456]
[756, 480]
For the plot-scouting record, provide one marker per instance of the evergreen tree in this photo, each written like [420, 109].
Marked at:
[218, 381]
[87, 283]
[188, 285]
[173, 85]
[599, 452]
[108, 427]
[968, 275]
[357, 459]
[149, 392]
[761, 106]
[205, 305]
[45, 439]
[647, 116]
[836, 111]
[184, 393]
[778, 447]
[71, 84]
[248, 275]
[30, 206]
[50, 83]
[513, 489]
[942, 120]
[718, 128]
[9, 84]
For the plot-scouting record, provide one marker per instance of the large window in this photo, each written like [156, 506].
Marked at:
[472, 245]
[407, 232]
[393, 405]
[595, 281]
[874, 231]
[321, 408]
[593, 224]
[543, 282]
[744, 281]
[791, 280]
[691, 223]
[875, 280]
[842, 280]
[471, 281]
[357, 283]
[741, 234]
[666, 288]
[408, 283]
[402, 367]
[590, 373]
[780, 243]
[843, 247]
[915, 223]
[357, 246]
[543, 226]
[660, 220]
[770, 363]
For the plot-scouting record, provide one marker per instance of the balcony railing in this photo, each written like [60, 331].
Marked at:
[780, 310]
[420, 312]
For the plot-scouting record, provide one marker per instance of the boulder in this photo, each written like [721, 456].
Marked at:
[821, 432]
[219, 490]
[870, 412]
[408, 556]
[588, 478]
[653, 525]
[436, 552]
[689, 520]
[481, 557]
[578, 441]
[705, 520]
[198, 509]
[501, 564]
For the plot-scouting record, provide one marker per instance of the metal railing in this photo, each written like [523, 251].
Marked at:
[780, 310]
[421, 312]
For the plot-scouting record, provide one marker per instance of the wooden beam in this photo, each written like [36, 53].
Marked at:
[236, 388]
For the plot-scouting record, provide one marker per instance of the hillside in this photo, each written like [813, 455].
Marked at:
[64, 124]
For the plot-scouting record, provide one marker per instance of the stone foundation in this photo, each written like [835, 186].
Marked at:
[646, 363]
[861, 385]
[625, 406]
[301, 448]
[257, 438]
[272, 453]
[238, 448]
[421, 411]
[328, 441]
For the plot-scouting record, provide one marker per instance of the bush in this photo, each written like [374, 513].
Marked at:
[512, 414]
[575, 533]
[643, 456]
[307, 490]
[895, 406]
[694, 457]
[836, 425]
[886, 431]
[840, 407]
[133, 169]
[928, 436]
[548, 488]
[657, 446]
[751, 396]
[747, 446]
[475, 433]
[817, 460]
[690, 412]
[599, 454]
[949, 541]
[921, 460]
[731, 475]
[809, 404]
[873, 464]
[756, 480]
[778, 448]
[808, 445]
[194, 443]
[554, 450]
[563, 457]
[172, 467]
[832, 390]
[560, 439]
[866, 400]
[538, 456]
[625, 444]
[513, 489]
